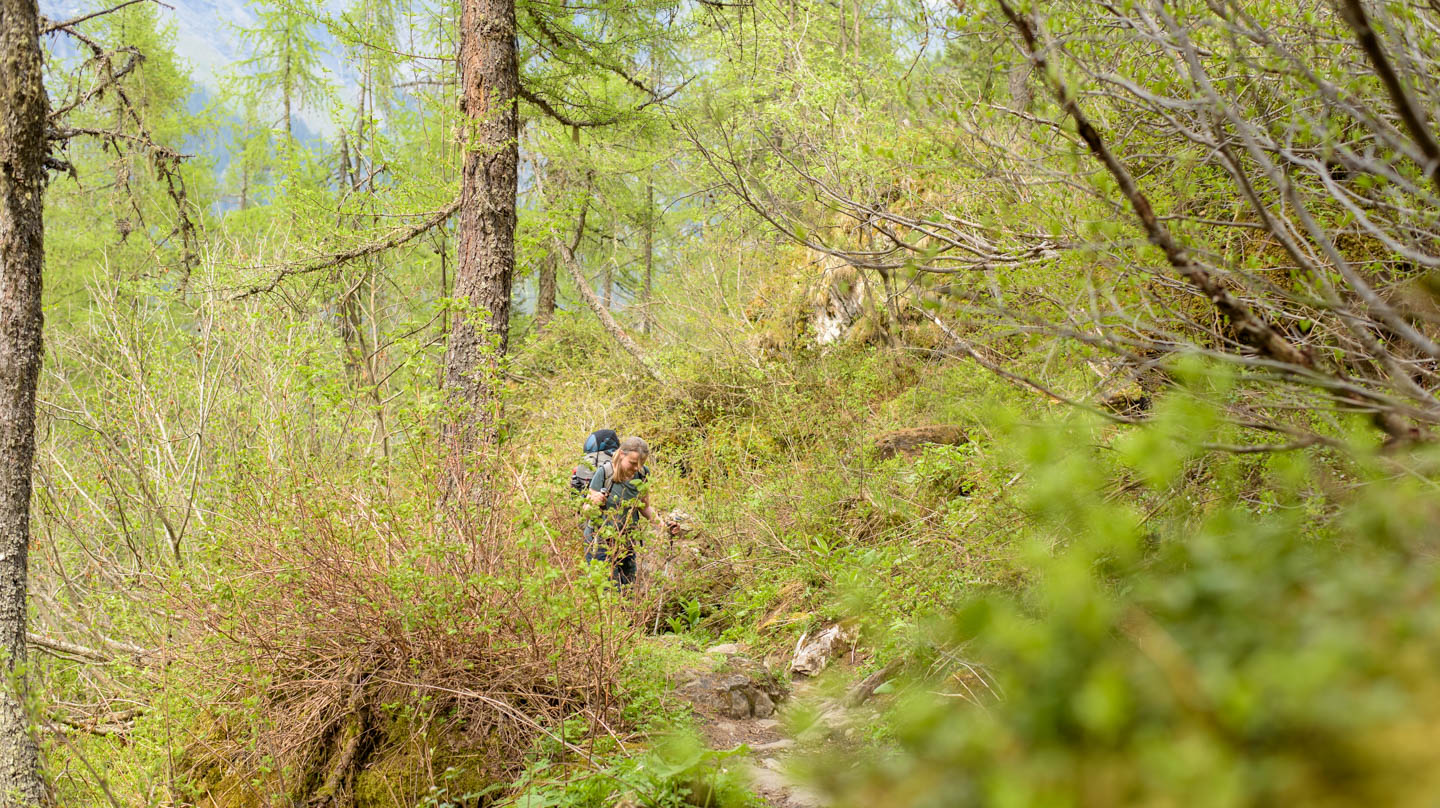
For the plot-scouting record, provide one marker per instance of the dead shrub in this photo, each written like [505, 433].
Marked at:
[347, 620]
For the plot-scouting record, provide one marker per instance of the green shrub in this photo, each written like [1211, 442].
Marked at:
[1235, 631]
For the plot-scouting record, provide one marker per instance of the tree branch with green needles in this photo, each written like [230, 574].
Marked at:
[394, 239]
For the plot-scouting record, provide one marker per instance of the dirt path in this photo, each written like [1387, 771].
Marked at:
[761, 732]
[768, 746]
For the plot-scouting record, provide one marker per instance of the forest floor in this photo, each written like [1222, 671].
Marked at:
[808, 720]
[767, 745]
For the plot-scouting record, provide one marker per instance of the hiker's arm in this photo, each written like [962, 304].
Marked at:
[595, 497]
[662, 525]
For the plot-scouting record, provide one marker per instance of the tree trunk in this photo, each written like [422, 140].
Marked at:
[23, 110]
[485, 230]
[545, 303]
[646, 318]
[608, 275]
[1018, 82]
[285, 92]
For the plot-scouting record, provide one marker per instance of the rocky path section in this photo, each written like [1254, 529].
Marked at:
[740, 702]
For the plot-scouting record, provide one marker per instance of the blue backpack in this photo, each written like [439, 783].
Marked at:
[599, 449]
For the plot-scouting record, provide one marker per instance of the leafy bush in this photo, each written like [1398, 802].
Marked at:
[1192, 644]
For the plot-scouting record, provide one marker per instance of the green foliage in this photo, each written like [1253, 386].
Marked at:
[1234, 653]
[244, 486]
[678, 772]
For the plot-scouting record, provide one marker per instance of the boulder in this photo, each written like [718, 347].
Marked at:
[840, 299]
[911, 441]
[743, 690]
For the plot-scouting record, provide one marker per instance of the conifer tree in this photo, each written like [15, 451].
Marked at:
[485, 264]
[284, 57]
[22, 254]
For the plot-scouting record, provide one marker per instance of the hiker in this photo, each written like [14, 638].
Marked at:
[617, 489]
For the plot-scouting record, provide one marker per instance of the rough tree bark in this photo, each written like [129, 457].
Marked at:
[646, 314]
[545, 304]
[485, 230]
[23, 111]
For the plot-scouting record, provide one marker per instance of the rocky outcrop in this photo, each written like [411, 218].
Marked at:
[742, 688]
[911, 441]
[839, 301]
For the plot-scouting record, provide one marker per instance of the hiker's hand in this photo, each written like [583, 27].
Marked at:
[597, 497]
[673, 528]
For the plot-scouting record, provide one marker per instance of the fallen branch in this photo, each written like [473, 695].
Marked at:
[115, 723]
[567, 253]
[866, 688]
[73, 651]
[356, 727]
[395, 239]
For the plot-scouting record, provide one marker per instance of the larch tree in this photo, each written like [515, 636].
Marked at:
[485, 230]
[563, 51]
[23, 113]
[284, 57]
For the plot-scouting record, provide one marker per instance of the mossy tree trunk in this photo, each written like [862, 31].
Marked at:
[23, 110]
[485, 258]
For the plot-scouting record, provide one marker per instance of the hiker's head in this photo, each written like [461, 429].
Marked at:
[631, 456]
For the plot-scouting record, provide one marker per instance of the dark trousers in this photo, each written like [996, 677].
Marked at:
[619, 551]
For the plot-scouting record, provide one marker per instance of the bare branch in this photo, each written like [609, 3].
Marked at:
[51, 27]
[550, 110]
[394, 239]
[1354, 14]
[73, 650]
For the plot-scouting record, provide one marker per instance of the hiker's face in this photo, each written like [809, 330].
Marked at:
[628, 463]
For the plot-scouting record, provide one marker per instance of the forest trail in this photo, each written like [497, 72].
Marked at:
[767, 746]
[735, 713]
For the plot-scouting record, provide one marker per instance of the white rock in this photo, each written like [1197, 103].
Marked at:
[811, 657]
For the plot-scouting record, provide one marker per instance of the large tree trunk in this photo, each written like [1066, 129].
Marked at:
[23, 109]
[485, 230]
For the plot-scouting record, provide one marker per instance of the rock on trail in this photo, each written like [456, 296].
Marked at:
[737, 702]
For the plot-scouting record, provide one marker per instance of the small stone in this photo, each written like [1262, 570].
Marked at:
[764, 707]
[737, 706]
[773, 746]
[725, 649]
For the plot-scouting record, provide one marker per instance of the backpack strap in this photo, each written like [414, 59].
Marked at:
[609, 470]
